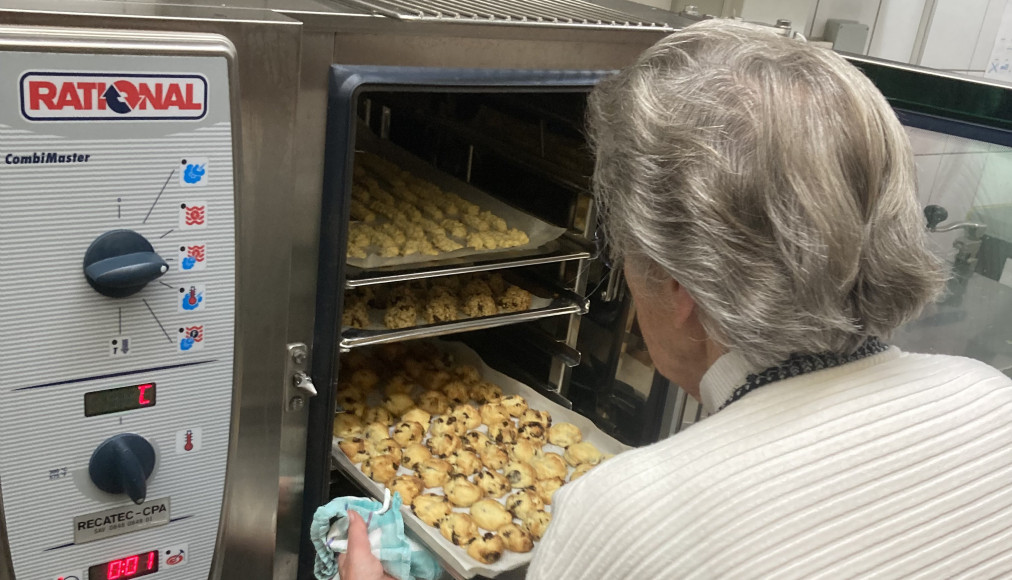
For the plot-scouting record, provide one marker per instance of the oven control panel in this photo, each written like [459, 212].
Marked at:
[117, 310]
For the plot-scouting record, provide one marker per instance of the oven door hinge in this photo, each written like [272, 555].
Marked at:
[300, 384]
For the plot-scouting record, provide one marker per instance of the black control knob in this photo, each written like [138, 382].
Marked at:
[122, 464]
[935, 214]
[121, 263]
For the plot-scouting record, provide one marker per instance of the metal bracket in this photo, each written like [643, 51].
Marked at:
[300, 384]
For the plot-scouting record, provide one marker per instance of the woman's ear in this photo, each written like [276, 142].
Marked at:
[683, 306]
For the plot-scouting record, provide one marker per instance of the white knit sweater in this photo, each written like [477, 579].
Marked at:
[897, 465]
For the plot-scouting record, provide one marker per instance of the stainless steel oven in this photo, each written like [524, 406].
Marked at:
[257, 113]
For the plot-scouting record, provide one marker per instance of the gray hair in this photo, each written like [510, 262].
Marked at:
[773, 181]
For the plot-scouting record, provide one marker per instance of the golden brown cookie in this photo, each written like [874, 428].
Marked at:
[534, 431]
[549, 465]
[494, 483]
[524, 502]
[464, 462]
[492, 413]
[417, 415]
[490, 514]
[493, 457]
[466, 373]
[378, 415]
[435, 380]
[515, 538]
[525, 450]
[347, 425]
[461, 492]
[355, 448]
[564, 434]
[431, 508]
[386, 447]
[485, 392]
[446, 425]
[380, 469]
[364, 379]
[443, 445]
[400, 384]
[467, 416]
[458, 528]
[457, 392]
[503, 432]
[520, 474]
[514, 299]
[486, 549]
[434, 471]
[434, 403]
[408, 432]
[398, 404]
[536, 523]
[580, 471]
[475, 440]
[377, 431]
[544, 418]
[583, 452]
[409, 486]
[515, 405]
[414, 454]
[546, 488]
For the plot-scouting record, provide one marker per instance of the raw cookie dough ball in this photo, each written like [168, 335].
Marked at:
[543, 418]
[503, 432]
[398, 404]
[401, 315]
[486, 549]
[490, 514]
[534, 431]
[458, 528]
[375, 432]
[355, 314]
[443, 445]
[520, 474]
[479, 305]
[434, 471]
[408, 432]
[493, 457]
[417, 415]
[564, 434]
[514, 299]
[475, 441]
[524, 502]
[409, 486]
[525, 450]
[583, 452]
[485, 392]
[387, 447]
[515, 538]
[431, 508]
[464, 462]
[580, 471]
[378, 415]
[446, 425]
[355, 449]
[380, 469]
[549, 466]
[492, 413]
[494, 483]
[467, 416]
[347, 425]
[441, 307]
[546, 488]
[434, 402]
[515, 405]
[461, 492]
[536, 523]
[414, 454]
[457, 392]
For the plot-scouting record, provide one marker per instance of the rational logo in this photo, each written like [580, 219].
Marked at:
[64, 96]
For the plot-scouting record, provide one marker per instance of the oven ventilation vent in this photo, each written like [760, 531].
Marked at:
[565, 13]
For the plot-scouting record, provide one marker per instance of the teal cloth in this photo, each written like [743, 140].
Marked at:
[401, 557]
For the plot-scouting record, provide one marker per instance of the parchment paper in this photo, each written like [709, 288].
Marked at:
[454, 556]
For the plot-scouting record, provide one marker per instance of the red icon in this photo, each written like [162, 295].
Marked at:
[195, 215]
[196, 333]
[192, 298]
[196, 252]
[173, 560]
[189, 441]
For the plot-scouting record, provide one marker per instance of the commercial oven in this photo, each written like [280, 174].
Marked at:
[181, 225]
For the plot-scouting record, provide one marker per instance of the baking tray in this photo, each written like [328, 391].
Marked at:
[453, 557]
[538, 231]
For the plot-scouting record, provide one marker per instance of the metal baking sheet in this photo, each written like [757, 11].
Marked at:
[453, 556]
[538, 231]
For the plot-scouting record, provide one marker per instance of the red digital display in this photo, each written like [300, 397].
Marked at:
[119, 399]
[130, 567]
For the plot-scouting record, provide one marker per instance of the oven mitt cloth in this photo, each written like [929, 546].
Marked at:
[402, 558]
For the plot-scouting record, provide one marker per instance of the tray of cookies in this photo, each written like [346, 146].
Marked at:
[429, 307]
[475, 455]
[404, 211]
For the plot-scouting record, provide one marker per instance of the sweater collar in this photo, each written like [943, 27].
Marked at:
[719, 382]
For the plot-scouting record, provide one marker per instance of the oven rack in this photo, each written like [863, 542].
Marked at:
[564, 249]
[565, 302]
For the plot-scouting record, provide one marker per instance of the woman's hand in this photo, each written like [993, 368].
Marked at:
[359, 563]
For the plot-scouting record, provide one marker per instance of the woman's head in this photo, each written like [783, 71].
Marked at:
[772, 181]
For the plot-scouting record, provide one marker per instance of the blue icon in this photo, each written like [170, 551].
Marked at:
[189, 262]
[194, 173]
[186, 343]
[192, 299]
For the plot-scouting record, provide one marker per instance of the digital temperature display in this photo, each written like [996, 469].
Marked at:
[121, 399]
[124, 568]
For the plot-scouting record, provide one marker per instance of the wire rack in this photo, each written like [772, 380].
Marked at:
[568, 13]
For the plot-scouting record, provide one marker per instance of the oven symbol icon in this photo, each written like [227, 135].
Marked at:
[192, 338]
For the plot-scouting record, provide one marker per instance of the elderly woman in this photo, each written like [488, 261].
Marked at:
[761, 195]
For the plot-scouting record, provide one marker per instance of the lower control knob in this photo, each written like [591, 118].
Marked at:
[122, 464]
